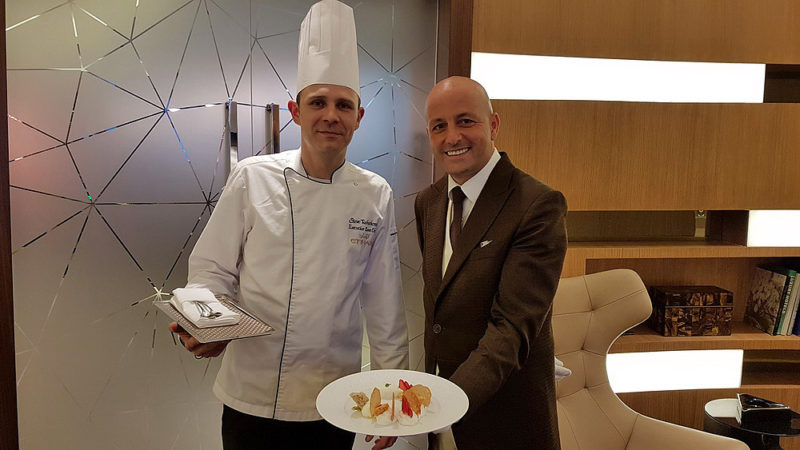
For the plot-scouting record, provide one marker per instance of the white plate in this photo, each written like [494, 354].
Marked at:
[448, 402]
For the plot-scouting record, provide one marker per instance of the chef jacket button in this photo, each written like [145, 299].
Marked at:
[437, 328]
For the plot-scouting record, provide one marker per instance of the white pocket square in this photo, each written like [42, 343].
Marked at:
[485, 243]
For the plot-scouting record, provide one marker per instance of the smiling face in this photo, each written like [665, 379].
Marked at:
[461, 127]
[328, 115]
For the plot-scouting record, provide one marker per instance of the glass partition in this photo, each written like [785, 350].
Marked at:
[116, 119]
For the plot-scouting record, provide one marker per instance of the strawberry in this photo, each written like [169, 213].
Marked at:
[404, 385]
[407, 408]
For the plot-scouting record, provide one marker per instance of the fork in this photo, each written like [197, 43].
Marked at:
[206, 311]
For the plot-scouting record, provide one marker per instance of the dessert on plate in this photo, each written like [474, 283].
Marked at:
[404, 404]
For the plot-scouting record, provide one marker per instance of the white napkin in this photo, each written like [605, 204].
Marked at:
[183, 300]
[561, 371]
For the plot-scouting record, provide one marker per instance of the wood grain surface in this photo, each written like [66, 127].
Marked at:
[616, 156]
[686, 407]
[657, 156]
[743, 337]
[673, 30]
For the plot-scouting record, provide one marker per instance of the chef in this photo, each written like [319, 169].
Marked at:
[307, 242]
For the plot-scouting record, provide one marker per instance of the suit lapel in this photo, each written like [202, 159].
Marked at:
[434, 237]
[490, 202]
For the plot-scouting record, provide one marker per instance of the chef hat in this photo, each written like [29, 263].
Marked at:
[328, 52]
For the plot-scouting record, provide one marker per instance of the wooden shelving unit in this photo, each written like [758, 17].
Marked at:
[789, 380]
[776, 378]
[743, 336]
[699, 263]
[626, 167]
[581, 255]
[676, 249]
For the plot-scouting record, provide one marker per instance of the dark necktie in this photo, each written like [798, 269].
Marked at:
[458, 211]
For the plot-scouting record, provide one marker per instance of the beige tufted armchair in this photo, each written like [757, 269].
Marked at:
[589, 313]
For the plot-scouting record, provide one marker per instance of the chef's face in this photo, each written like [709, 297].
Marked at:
[461, 127]
[328, 114]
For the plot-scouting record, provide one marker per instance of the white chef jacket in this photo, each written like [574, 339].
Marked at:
[307, 257]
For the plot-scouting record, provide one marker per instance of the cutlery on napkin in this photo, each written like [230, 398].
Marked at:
[185, 300]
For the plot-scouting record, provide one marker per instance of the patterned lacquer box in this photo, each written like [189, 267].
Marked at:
[691, 310]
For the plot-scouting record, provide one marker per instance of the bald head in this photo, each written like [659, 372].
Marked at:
[461, 126]
[464, 86]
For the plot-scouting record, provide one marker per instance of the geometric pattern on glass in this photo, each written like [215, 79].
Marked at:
[115, 126]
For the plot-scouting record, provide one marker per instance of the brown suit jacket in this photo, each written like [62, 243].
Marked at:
[487, 321]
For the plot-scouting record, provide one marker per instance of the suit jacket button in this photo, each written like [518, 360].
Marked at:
[437, 328]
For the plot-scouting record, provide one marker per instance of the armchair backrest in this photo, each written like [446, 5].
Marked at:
[589, 313]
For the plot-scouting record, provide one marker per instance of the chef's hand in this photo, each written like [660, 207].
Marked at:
[208, 350]
[382, 442]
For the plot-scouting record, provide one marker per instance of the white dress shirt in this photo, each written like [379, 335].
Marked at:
[472, 189]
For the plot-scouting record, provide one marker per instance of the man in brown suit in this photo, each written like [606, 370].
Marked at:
[493, 241]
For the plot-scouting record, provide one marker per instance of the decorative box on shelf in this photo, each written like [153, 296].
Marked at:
[691, 310]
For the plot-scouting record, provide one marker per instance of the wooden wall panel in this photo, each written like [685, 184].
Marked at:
[615, 156]
[657, 156]
[733, 274]
[686, 407]
[454, 46]
[680, 30]
[599, 226]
